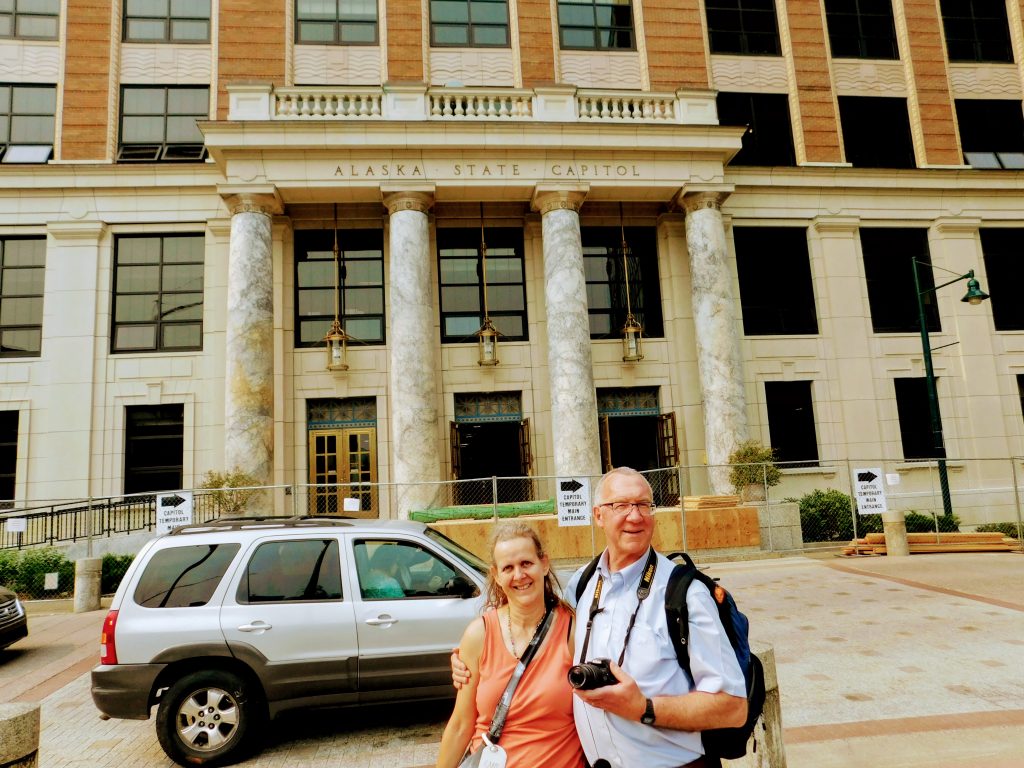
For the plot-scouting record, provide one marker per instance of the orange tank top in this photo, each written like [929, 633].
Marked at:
[539, 729]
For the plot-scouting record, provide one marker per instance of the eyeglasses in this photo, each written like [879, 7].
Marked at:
[645, 508]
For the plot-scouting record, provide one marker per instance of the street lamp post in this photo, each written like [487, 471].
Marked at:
[973, 296]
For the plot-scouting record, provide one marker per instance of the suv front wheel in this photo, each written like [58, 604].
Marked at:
[204, 719]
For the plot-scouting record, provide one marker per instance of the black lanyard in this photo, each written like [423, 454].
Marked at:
[642, 591]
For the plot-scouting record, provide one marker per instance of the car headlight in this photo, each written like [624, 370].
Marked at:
[18, 607]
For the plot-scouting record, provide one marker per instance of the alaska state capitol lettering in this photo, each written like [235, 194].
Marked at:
[485, 170]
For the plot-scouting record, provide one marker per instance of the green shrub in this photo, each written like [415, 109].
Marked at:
[113, 570]
[918, 523]
[32, 570]
[1007, 529]
[9, 566]
[827, 515]
[753, 464]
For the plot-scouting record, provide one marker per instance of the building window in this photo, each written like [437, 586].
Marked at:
[8, 456]
[360, 282]
[26, 122]
[462, 292]
[1003, 251]
[976, 30]
[158, 293]
[876, 132]
[861, 29]
[791, 422]
[172, 21]
[606, 286]
[769, 140]
[776, 292]
[915, 420]
[154, 447]
[743, 26]
[991, 132]
[475, 23]
[596, 24]
[1020, 391]
[29, 19]
[337, 22]
[888, 265]
[158, 124]
[22, 267]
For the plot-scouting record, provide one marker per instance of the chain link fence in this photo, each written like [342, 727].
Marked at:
[810, 507]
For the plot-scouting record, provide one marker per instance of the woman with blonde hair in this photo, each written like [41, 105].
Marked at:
[539, 728]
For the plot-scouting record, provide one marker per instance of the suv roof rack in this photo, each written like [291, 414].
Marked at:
[264, 521]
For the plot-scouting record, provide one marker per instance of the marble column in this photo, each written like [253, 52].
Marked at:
[249, 341]
[412, 367]
[570, 365]
[719, 363]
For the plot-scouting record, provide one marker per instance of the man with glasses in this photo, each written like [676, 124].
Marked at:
[654, 714]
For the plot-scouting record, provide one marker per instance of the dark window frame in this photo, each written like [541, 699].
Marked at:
[342, 23]
[161, 151]
[1003, 252]
[168, 18]
[160, 323]
[471, 26]
[991, 133]
[16, 14]
[791, 425]
[607, 35]
[784, 272]
[861, 117]
[970, 27]
[733, 27]
[9, 118]
[9, 423]
[914, 416]
[153, 432]
[603, 243]
[865, 31]
[353, 245]
[463, 244]
[887, 254]
[36, 295]
[769, 138]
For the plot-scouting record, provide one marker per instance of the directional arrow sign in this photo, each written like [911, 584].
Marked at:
[869, 491]
[172, 510]
[573, 501]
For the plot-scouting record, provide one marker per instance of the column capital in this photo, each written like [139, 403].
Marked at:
[263, 198]
[76, 230]
[957, 225]
[695, 200]
[397, 198]
[836, 225]
[553, 197]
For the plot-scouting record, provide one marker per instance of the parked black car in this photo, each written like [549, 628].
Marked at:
[13, 624]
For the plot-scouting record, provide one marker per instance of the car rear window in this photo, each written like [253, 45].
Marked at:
[179, 577]
[282, 571]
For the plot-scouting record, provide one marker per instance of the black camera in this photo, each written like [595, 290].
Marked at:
[594, 674]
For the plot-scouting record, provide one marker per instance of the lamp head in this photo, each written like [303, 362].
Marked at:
[974, 295]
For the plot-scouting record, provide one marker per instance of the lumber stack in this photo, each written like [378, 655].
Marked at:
[920, 543]
[694, 503]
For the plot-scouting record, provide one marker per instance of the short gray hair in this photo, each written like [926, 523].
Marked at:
[624, 471]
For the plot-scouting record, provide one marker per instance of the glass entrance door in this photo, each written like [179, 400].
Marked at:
[343, 472]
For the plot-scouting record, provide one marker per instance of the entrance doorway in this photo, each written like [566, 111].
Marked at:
[342, 459]
[489, 438]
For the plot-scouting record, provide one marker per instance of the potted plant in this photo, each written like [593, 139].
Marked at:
[753, 469]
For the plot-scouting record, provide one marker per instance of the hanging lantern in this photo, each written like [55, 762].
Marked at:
[632, 333]
[336, 338]
[487, 336]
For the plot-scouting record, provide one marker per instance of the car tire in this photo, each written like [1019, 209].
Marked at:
[208, 718]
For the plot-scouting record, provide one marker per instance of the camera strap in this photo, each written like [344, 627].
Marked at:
[642, 591]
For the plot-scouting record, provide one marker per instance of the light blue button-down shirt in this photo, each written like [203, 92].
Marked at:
[651, 661]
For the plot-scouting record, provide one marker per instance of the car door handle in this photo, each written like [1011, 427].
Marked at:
[384, 620]
[256, 626]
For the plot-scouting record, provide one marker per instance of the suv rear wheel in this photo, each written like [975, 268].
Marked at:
[204, 719]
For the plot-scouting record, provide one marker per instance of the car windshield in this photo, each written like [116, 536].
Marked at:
[458, 550]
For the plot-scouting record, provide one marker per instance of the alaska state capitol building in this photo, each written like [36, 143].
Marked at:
[543, 237]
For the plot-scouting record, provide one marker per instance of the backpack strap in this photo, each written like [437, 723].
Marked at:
[586, 576]
[677, 615]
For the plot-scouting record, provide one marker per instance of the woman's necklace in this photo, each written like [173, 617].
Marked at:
[511, 637]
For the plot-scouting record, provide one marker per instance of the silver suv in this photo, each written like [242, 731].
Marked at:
[225, 625]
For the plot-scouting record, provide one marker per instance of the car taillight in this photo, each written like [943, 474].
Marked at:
[108, 649]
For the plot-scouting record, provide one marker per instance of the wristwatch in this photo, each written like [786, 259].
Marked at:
[648, 716]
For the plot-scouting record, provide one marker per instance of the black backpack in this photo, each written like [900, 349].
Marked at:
[719, 743]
